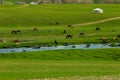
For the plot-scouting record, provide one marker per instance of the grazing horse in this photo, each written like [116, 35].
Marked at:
[118, 36]
[82, 34]
[18, 31]
[1, 40]
[71, 26]
[65, 31]
[15, 31]
[69, 36]
[104, 40]
[55, 42]
[16, 41]
[97, 29]
[35, 29]
[57, 23]
[113, 39]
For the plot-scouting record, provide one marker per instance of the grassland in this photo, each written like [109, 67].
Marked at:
[64, 14]
[59, 63]
[30, 69]
[25, 18]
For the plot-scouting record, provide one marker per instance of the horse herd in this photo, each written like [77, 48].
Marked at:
[68, 36]
[18, 31]
[104, 40]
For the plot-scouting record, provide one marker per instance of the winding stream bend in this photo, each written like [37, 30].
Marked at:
[80, 46]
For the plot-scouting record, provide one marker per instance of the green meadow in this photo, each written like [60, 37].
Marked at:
[27, 17]
[52, 65]
[63, 13]
[92, 64]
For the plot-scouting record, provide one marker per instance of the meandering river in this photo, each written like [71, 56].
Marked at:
[80, 46]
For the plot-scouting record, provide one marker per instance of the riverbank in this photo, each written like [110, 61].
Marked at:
[75, 54]
[60, 63]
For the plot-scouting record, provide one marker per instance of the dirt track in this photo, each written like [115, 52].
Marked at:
[100, 21]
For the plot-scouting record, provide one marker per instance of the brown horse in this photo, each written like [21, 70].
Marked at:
[16, 41]
[104, 41]
[35, 29]
[1, 40]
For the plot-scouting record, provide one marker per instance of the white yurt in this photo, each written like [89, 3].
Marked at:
[33, 3]
[97, 10]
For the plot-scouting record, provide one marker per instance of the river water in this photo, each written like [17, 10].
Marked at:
[81, 46]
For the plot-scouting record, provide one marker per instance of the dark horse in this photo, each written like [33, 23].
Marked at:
[65, 31]
[15, 31]
[97, 29]
[71, 26]
[118, 36]
[69, 36]
[55, 42]
[82, 34]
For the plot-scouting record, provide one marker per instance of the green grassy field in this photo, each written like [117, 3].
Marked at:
[63, 13]
[58, 63]
[30, 69]
[61, 63]
[26, 17]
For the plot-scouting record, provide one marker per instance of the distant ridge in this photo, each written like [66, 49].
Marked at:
[71, 1]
